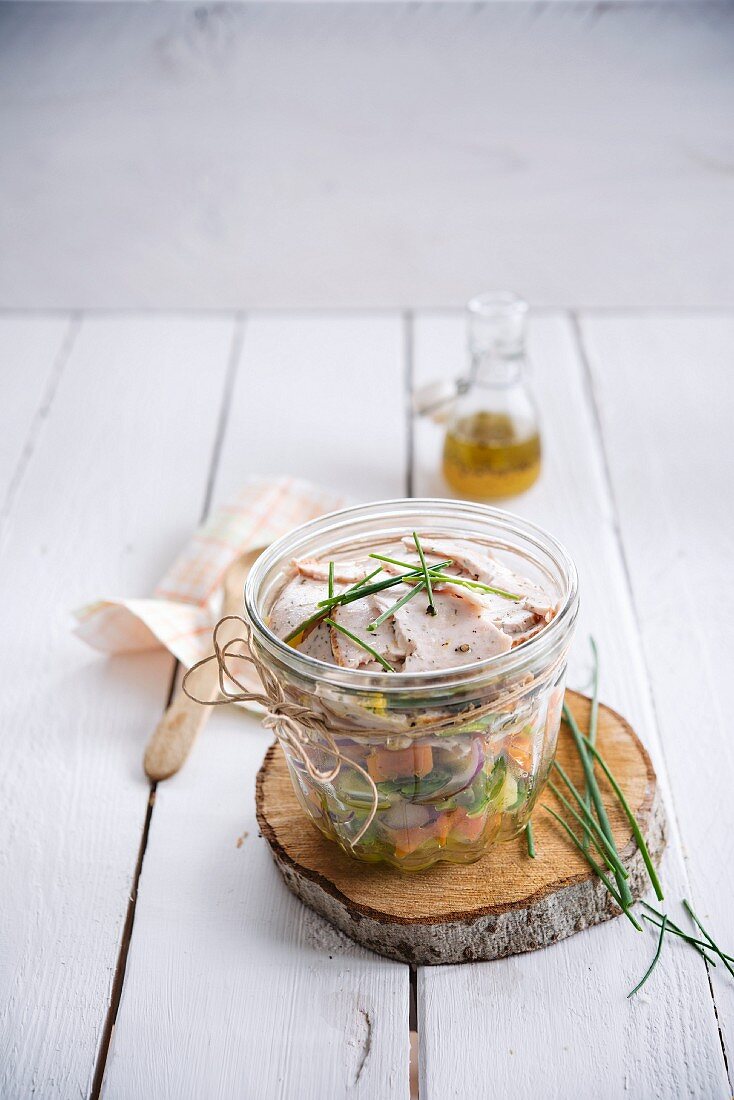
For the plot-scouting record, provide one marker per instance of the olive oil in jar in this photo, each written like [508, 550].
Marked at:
[487, 456]
[492, 447]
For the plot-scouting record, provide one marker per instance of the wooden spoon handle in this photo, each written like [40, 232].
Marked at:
[173, 737]
[179, 727]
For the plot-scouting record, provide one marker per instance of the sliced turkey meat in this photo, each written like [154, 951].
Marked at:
[295, 603]
[458, 634]
[345, 572]
[317, 643]
[479, 565]
[470, 625]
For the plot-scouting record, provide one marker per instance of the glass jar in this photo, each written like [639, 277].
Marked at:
[492, 446]
[446, 792]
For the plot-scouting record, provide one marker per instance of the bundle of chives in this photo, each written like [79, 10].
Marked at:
[596, 798]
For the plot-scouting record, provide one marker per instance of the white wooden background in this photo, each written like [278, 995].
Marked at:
[353, 170]
[142, 951]
[348, 155]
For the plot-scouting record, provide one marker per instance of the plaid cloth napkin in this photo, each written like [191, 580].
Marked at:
[185, 605]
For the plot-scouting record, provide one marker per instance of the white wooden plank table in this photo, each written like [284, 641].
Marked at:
[351, 154]
[143, 951]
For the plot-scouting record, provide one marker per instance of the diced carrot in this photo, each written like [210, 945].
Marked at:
[520, 748]
[384, 764]
[468, 828]
[442, 826]
[407, 840]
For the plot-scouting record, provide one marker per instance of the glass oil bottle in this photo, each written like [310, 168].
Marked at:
[492, 447]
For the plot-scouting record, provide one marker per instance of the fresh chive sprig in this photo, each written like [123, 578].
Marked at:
[607, 851]
[319, 614]
[623, 905]
[714, 946]
[530, 838]
[655, 958]
[637, 832]
[297, 631]
[593, 787]
[699, 945]
[446, 578]
[358, 593]
[361, 642]
[431, 609]
[593, 713]
[331, 580]
[396, 606]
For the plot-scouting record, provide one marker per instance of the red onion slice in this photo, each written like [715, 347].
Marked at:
[461, 780]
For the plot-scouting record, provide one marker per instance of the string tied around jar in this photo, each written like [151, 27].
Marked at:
[295, 725]
[290, 722]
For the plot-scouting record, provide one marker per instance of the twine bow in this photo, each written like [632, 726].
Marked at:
[290, 722]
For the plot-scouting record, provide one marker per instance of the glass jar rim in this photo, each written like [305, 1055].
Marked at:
[514, 661]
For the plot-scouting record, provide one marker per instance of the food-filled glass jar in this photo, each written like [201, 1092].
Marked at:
[457, 756]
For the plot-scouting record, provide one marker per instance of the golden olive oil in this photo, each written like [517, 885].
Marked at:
[487, 455]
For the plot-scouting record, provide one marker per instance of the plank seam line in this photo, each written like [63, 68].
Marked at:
[118, 982]
[40, 416]
[235, 352]
[413, 1029]
[408, 318]
[379, 309]
[408, 375]
[593, 402]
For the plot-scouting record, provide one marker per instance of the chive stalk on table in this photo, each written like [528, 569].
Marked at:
[655, 958]
[714, 946]
[636, 830]
[673, 928]
[594, 712]
[596, 798]
[607, 851]
[623, 905]
[530, 839]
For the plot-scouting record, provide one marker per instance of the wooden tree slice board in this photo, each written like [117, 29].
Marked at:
[503, 904]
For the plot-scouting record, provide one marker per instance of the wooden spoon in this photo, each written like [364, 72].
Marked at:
[174, 736]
